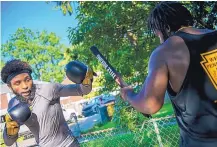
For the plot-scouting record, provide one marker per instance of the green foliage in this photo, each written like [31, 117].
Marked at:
[2, 63]
[145, 136]
[112, 140]
[41, 50]
[100, 126]
[64, 6]
[126, 116]
[119, 30]
[204, 13]
[166, 110]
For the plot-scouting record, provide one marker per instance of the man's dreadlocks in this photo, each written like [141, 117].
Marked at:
[169, 15]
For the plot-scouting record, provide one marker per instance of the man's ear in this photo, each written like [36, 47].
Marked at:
[168, 30]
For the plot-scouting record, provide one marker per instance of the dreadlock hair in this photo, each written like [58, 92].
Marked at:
[14, 66]
[169, 15]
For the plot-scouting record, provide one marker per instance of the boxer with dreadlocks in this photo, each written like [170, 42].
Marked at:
[184, 65]
[47, 122]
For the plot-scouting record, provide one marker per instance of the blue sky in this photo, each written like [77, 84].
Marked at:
[36, 16]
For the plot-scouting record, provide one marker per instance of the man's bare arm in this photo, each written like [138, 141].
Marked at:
[151, 97]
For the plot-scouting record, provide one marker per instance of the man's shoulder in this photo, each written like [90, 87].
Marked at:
[160, 50]
[171, 46]
[47, 85]
[47, 88]
[168, 48]
[48, 91]
[173, 41]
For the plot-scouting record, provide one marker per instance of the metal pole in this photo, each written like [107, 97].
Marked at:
[157, 132]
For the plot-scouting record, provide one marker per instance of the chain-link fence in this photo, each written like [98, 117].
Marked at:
[160, 132]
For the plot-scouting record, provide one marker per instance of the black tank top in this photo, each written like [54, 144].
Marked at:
[196, 103]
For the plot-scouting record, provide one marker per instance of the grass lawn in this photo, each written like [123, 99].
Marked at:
[99, 127]
[1, 140]
[111, 141]
[169, 134]
[166, 110]
[147, 137]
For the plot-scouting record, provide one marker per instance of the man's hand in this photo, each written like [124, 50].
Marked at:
[12, 127]
[125, 92]
[125, 88]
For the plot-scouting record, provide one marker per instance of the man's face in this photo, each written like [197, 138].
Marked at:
[21, 85]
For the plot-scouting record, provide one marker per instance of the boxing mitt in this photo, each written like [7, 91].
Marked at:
[20, 113]
[16, 116]
[78, 72]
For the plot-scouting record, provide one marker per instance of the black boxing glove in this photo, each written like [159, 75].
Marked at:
[79, 73]
[15, 117]
[20, 112]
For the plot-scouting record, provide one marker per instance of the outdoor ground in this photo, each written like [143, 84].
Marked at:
[89, 125]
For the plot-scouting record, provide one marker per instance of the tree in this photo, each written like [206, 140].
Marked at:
[41, 50]
[204, 13]
[2, 64]
[119, 29]
[64, 6]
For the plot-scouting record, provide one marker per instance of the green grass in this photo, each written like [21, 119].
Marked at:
[99, 127]
[166, 110]
[1, 140]
[169, 134]
[126, 140]
[114, 141]
[105, 126]
[147, 137]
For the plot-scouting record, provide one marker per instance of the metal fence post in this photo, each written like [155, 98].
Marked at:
[100, 115]
[157, 133]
